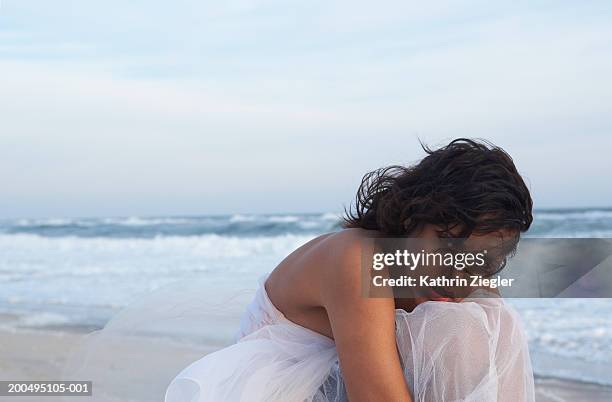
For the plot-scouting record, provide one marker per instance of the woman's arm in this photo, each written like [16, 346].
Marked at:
[364, 332]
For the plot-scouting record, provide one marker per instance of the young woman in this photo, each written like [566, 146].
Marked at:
[311, 335]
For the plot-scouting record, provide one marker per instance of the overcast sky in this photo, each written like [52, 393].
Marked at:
[199, 107]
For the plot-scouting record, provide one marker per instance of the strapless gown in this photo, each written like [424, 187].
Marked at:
[470, 351]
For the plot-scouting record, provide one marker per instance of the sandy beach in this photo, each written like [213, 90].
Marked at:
[42, 355]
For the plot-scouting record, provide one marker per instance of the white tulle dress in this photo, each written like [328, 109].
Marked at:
[469, 351]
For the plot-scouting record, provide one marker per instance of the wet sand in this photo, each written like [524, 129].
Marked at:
[134, 363]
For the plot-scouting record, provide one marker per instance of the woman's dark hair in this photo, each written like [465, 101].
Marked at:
[468, 186]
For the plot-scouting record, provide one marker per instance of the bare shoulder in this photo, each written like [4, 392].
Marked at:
[341, 270]
[328, 252]
[343, 251]
[348, 240]
[306, 275]
[336, 255]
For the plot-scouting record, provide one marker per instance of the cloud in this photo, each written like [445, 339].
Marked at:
[190, 107]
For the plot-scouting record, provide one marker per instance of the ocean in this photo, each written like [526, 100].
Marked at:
[77, 273]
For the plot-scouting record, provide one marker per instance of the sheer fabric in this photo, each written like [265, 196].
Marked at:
[469, 351]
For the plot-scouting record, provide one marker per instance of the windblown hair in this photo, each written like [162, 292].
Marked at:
[468, 186]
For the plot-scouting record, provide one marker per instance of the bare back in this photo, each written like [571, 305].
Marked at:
[318, 287]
